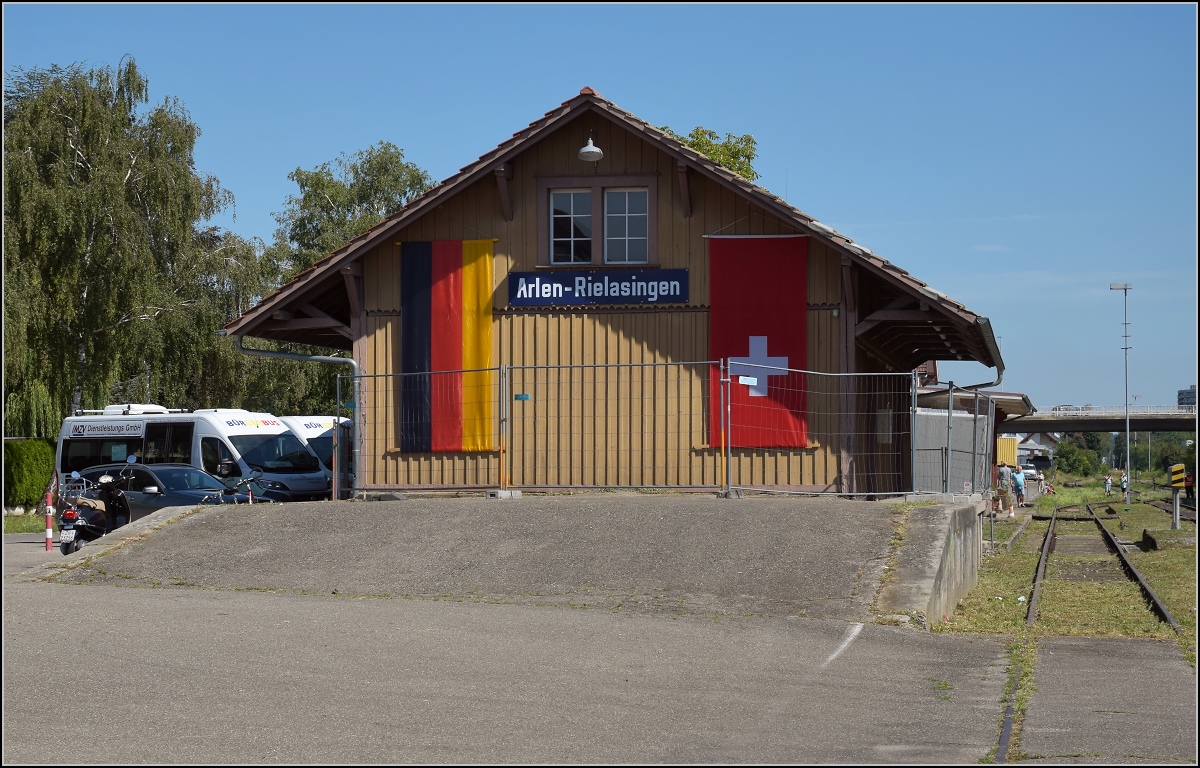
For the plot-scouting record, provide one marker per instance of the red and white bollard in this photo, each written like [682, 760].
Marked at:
[49, 521]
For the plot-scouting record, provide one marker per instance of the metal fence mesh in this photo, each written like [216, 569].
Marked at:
[792, 430]
[701, 424]
[952, 451]
[623, 425]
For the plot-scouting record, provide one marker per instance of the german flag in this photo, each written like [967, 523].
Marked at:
[446, 346]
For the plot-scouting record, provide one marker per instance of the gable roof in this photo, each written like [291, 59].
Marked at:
[903, 337]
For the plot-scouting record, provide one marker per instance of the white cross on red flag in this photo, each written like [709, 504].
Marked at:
[758, 312]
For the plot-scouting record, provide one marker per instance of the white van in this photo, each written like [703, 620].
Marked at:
[226, 442]
[317, 433]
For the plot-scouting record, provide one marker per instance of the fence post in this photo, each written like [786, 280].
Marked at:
[504, 425]
[727, 430]
[975, 446]
[949, 436]
[335, 487]
[912, 431]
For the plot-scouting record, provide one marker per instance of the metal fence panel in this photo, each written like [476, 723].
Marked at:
[858, 431]
[663, 425]
[428, 430]
[618, 425]
[951, 453]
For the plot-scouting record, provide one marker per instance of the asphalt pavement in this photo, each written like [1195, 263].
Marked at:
[603, 628]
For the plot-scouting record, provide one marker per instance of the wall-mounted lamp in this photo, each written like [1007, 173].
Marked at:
[590, 153]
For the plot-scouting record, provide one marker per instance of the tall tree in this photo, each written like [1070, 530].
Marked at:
[101, 205]
[737, 153]
[336, 202]
[340, 200]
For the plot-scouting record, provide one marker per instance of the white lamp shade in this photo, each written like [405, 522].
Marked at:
[590, 153]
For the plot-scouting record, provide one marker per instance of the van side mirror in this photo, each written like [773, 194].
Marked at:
[226, 468]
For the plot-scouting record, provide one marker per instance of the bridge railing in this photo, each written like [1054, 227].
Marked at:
[1111, 410]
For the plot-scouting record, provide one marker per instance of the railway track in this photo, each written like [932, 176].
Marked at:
[1083, 554]
[1186, 511]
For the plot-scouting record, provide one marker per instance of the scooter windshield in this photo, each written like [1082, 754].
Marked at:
[281, 452]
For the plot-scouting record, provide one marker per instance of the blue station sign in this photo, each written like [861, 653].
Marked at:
[594, 287]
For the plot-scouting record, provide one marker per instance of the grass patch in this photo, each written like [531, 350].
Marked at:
[24, 523]
[994, 606]
[1079, 608]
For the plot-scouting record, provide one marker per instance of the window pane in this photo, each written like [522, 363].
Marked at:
[570, 226]
[637, 226]
[583, 226]
[560, 203]
[638, 251]
[638, 201]
[616, 226]
[616, 250]
[615, 202]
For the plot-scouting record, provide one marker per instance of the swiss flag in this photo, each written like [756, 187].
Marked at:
[758, 315]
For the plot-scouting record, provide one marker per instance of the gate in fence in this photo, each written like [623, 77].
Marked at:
[952, 450]
[696, 425]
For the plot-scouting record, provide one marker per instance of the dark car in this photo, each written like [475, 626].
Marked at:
[150, 487]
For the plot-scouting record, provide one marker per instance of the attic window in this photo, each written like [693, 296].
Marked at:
[597, 221]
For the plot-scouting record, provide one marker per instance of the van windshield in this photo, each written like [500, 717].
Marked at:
[282, 452]
[323, 447]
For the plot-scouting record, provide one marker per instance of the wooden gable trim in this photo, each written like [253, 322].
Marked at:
[685, 188]
[504, 174]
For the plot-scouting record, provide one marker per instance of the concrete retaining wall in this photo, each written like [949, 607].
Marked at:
[939, 561]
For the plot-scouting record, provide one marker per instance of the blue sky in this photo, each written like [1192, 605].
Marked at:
[1018, 158]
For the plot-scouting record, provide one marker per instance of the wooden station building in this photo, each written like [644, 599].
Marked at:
[540, 257]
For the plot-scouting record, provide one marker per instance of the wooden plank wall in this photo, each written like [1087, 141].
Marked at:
[548, 445]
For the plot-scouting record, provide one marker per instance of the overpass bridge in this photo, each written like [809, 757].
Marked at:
[1103, 418]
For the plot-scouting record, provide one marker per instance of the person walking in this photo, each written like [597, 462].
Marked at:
[1125, 484]
[1189, 483]
[1108, 485]
[1004, 488]
[1018, 479]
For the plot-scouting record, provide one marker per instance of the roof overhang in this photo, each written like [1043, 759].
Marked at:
[917, 323]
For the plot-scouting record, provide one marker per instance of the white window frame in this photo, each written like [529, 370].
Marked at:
[598, 186]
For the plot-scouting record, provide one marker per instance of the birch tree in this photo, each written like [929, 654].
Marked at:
[101, 206]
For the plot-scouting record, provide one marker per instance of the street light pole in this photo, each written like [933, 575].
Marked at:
[1135, 397]
[1124, 288]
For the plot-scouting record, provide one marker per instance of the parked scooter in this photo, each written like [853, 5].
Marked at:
[91, 510]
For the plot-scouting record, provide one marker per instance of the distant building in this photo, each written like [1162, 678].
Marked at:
[1036, 448]
[1187, 396]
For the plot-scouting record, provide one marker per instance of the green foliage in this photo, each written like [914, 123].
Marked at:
[115, 286]
[101, 202]
[29, 412]
[1073, 460]
[340, 200]
[28, 468]
[737, 153]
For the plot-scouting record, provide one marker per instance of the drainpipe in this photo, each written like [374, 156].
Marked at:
[317, 359]
[989, 341]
